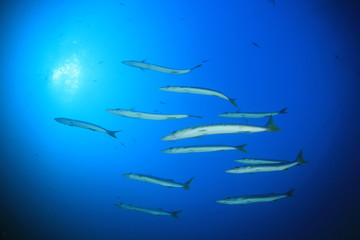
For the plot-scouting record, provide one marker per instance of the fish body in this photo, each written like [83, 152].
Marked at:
[148, 116]
[86, 125]
[198, 90]
[160, 181]
[153, 67]
[259, 161]
[198, 131]
[268, 167]
[251, 115]
[247, 199]
[153, 211]
[203, 148]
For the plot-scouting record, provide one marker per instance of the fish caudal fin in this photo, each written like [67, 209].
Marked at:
[290, 193]
[283, 110]
[187, 184]
[175, 214]
[271, 127]
[112, 133]
[195, 116]
[196, 67]
[300, 160]
[232, 100]
[241, 148]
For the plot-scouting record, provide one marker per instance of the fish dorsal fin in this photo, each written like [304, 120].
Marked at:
[144, 60]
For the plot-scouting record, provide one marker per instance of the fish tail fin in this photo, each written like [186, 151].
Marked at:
[300, 160]
[290, 193]
[241, 148]
[196, 67]
[112, 133]
[271, 127]
[283, 110]
[195, 116]
[187, 184]
[232, 100]
[175, 214]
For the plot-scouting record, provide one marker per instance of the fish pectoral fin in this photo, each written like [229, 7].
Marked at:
[286, 169]
[169, 187]
[275, 200]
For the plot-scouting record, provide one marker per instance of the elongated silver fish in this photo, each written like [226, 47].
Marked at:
[153, 67]
[246, 199]
[251, 115]
[204, 148]
[197, 131]
[160, 181]
[86, 125]
[258, 161]
[198, 90]
[153, 211]
[148, 116]
[268, 167]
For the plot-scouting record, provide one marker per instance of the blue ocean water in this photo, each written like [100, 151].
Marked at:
[64, 59]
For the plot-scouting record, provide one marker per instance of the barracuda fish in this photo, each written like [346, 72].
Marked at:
[246, 199]
[219, 129]
[153, 211]
[198, 90]
[258, 161]
[143, 65]
[251, 115]
[268, 167]
[204, 148]
[86, 125]
[148, 116]
[160, 181]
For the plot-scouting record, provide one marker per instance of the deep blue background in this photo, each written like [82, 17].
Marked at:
[63, 59]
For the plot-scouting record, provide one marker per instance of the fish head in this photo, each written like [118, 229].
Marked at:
[172, 136]
[222, 201]
[126, 174]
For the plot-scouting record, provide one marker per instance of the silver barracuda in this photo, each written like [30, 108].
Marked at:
[153, 67]
[268, 167]
[204, 148]
[251, 115]
[86, 125]
[198, 90]
[160, 181]
[258, 161]
[247, 199]
[153, 211]
[198, 131]
[148, 116]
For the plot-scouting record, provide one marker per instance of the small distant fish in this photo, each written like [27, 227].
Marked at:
[258, 161]
[247, 199]
[197, 131]
[148, 116]
[251, 115]
[153, 211]
[160, 181]
[204, 148]
[161, 102]
[337, 57]
[198, 90]
[100, 62]
[143, 65]
[86, 125]
[255, 44]
[205, 61]
[268, 167]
